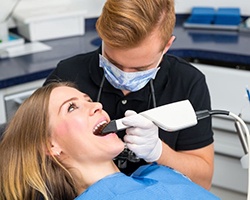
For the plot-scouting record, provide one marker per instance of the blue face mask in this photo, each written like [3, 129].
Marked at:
[131, 81]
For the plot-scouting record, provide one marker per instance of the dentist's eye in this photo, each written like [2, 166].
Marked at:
[72, 107]
[89, 100]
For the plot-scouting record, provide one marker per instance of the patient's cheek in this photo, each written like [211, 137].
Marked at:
[61, 128]
[70, 127]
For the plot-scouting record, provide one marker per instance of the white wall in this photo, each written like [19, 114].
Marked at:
[94, 7]
[184, 6]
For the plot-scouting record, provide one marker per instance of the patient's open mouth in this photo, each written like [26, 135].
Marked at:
[99, 127]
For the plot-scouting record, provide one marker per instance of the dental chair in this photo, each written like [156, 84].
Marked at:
[2, 129]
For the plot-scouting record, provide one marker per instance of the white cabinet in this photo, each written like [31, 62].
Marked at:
[10, 97]
[228, 92]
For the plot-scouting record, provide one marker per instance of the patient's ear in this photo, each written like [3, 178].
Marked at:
[55, 150]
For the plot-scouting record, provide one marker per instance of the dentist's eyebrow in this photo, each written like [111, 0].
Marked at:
[68, 100]
[111, 60]
[87, 97]
[119, 65]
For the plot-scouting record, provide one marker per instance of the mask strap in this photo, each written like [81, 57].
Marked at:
[159, 62]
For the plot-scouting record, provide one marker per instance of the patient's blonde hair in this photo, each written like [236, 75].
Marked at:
[28, 170]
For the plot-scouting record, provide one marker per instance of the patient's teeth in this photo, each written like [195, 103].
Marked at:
[97, 130]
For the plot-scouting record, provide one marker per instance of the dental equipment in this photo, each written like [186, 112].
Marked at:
[170, 117]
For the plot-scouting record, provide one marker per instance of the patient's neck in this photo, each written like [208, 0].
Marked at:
[87, 175]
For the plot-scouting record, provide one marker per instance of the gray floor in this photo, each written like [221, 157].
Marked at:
[227, 195]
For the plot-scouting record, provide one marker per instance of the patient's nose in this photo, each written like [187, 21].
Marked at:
[96, 106]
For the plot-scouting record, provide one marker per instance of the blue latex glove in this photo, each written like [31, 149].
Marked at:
[143, 137]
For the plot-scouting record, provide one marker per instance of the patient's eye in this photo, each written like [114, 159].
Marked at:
[72, 107]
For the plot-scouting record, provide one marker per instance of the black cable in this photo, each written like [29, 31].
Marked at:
[100, 89]
[207, 113]
[152, 93]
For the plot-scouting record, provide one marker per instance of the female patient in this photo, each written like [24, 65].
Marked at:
[49, 152]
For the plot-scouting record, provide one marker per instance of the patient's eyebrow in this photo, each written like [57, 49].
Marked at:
[68, 100]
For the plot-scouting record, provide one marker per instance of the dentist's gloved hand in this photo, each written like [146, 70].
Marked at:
[142, 138]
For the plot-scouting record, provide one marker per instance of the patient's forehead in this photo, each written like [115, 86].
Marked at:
[65, 93]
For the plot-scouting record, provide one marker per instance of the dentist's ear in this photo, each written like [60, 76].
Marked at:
[169, 44]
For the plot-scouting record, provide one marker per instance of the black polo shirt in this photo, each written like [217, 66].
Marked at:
[175, 81]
